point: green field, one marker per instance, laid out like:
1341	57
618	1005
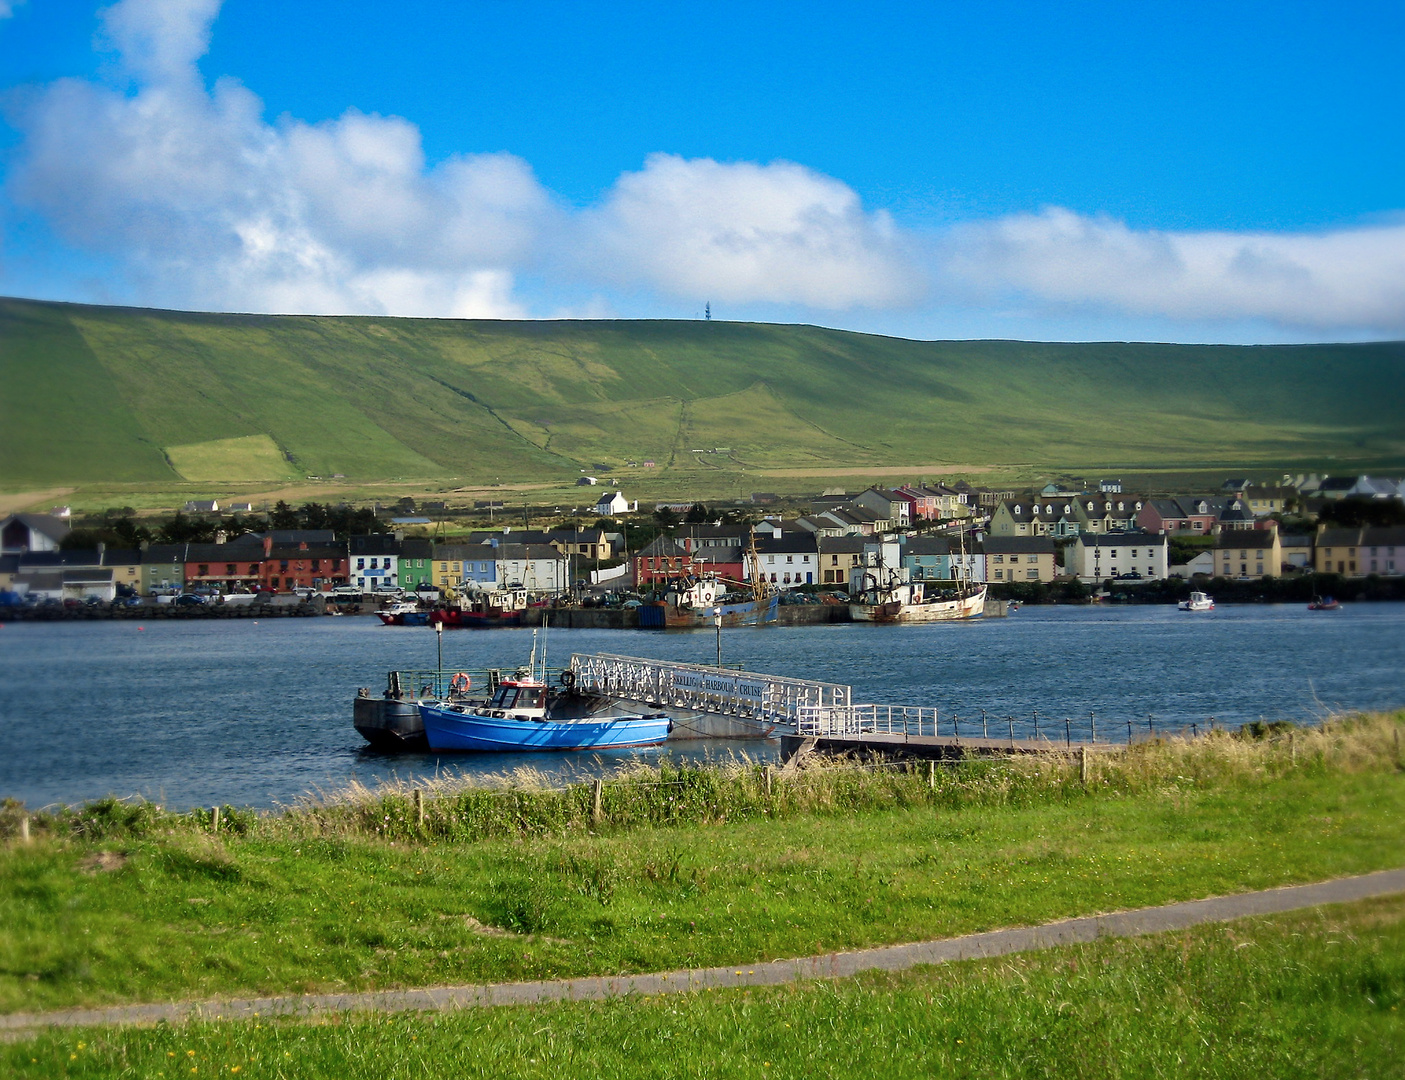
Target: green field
93	395
698	868
1312	994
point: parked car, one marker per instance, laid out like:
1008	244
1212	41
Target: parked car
347	592
190	600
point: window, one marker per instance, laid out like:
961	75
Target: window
360	564
1014	558
202	570
1000	575
283	564
316	564
1032	575
998	559
790	558
834	560
230	570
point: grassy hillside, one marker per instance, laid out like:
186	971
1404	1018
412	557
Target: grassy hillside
104	395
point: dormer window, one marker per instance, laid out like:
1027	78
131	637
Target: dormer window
1017	509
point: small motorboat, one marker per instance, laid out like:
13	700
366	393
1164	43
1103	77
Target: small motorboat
1325	603
1198	602
403	613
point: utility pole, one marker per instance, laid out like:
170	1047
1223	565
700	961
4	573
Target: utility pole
717	621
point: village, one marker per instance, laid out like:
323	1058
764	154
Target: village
937	533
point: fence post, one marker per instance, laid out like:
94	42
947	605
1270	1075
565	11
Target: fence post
766	772
1036	725
1292	750
1010	721
1397	745
597	800
1093	725
214	819
1083	764
1129	732
1068	732
24	829
931	782
419	807
985	730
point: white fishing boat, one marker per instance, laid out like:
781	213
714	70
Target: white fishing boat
886	594
1198	602
908	603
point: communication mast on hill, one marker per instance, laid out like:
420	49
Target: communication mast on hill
707	311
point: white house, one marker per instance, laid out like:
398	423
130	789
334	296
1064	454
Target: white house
539	568
789	558
615	503
1098	556
21	533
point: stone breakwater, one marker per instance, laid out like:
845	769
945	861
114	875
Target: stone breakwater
148	612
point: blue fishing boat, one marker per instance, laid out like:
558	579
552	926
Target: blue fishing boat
524	713
516	718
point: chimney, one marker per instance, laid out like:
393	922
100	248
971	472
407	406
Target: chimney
221	536
268	546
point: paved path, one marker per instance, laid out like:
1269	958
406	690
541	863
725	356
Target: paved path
831	966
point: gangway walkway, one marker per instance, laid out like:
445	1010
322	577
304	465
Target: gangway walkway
703	688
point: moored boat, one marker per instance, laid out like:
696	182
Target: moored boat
481	609
516	719
403	613
1198	602
701	602
1325	603
908	603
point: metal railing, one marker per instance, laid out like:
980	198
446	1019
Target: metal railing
703	688
846	719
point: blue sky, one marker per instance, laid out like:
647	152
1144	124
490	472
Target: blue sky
1186	172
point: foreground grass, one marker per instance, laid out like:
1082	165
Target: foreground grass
360	896
1311	994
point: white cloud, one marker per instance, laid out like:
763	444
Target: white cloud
748	233
212	206
7	7
160	40
201	202
1344	279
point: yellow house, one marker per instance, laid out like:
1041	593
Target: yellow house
1248	553
1019	558
1268	500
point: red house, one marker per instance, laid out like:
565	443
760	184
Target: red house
301	566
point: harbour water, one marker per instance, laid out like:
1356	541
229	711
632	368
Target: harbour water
258	713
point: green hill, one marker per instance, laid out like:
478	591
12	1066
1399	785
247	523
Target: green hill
120	395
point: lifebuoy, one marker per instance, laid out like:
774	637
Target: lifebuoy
568	678
460	682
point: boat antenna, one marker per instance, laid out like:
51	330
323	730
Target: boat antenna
532	660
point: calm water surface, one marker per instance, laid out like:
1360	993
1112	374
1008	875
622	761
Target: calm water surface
259	713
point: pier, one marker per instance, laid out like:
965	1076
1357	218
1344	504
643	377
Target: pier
701	688
810	715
